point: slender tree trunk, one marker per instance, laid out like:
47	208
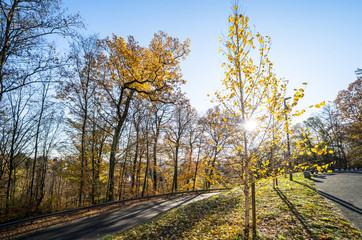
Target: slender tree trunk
93	166
253	210
112	160
82	158
134	166
174	185
121	174
138	176
197	161
211	171
98	167
190	162
147	164
115	141
11	168
42	181
155	160
44	95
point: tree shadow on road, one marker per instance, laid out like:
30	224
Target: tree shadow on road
335	199
184	219
108	222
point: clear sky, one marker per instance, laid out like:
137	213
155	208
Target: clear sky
313	41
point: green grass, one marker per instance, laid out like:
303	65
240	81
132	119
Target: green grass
292	211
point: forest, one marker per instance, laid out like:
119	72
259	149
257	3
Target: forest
108	120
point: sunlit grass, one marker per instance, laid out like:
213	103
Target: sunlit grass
293	211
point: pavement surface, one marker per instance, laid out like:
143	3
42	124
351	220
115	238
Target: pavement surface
97	227
344	189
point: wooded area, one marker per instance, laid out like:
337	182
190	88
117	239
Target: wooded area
109	120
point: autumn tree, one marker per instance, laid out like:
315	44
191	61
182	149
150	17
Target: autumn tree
181	118
253	98
78	92
349	104
24	27
160	113
16	136
129	71
245	88
216	135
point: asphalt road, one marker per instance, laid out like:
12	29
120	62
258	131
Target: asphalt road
345	190
99	226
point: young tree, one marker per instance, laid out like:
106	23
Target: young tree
251	93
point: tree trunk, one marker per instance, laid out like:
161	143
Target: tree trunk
197	162
174	182
253	210
112	160
147	164
155	160
134	166
115	141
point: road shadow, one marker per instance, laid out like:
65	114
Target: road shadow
108	222
319	176
341	202
315	180
354	172
334	199
191	217
295	212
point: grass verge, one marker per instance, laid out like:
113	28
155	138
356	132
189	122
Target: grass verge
294	210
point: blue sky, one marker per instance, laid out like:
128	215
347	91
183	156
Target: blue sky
318	42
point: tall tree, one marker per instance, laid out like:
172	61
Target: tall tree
215	129
78	91
130	71
24	26
349	104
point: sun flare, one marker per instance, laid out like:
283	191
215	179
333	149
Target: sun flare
250	125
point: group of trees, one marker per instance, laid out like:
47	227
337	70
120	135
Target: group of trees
109	120
338	126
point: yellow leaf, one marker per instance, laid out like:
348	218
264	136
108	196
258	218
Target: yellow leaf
318	106
236	7
323	103
330	152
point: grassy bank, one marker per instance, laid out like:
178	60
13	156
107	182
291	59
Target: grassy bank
294	210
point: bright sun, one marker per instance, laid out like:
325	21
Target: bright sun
250	125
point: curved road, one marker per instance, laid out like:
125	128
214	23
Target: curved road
99	226
343	188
